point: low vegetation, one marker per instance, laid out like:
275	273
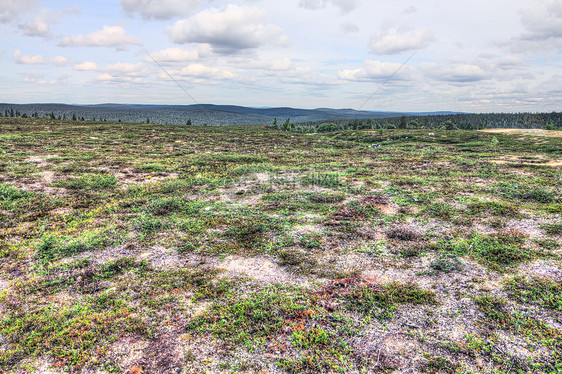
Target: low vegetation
139	248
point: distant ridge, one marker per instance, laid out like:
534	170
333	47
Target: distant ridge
210	114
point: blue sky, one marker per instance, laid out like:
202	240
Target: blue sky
473	56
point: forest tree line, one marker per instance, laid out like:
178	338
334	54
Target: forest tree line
465	121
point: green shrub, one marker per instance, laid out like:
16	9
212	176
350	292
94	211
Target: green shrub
53	247
10	194
327	127
535	290
381	301
552	228
494	208
446	264
497	252
330	180
89	182
69	334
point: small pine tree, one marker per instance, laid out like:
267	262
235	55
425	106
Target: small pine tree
147	120
450	125
288	126
188	123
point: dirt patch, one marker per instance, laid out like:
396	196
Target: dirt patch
44	184
130	176
259	268
159	257
44	366
128	352
538	160
542	268
40	160
3	285
164	356
531	132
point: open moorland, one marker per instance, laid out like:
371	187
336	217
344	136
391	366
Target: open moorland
137	248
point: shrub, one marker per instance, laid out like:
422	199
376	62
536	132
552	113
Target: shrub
552	228
327	127
53	247
90	182
535	290
497	252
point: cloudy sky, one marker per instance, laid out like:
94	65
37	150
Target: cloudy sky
462	55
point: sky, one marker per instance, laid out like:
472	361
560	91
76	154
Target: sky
388	55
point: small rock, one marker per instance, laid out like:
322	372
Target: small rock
145	255
135	370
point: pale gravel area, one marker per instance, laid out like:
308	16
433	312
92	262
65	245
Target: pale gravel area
261	268
532	132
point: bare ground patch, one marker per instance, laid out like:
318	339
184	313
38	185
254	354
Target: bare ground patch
260	268
532	132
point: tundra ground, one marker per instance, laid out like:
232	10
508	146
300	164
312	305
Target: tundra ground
175	249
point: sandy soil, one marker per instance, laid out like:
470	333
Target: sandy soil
532	132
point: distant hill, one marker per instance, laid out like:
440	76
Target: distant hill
199	114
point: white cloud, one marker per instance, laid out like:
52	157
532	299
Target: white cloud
86	66
128	69
36	27
172	55
344	5
117	70
40	24
375	70
511	62
40	81
544	22
12	9
466	73
282	64
394	40
203	71
460	72
38	59
109	36
160	9
410	10
349	27
119	79
123	74
228	30
543	29
59	60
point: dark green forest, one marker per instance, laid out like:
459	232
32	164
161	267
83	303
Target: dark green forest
457	121
465	121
